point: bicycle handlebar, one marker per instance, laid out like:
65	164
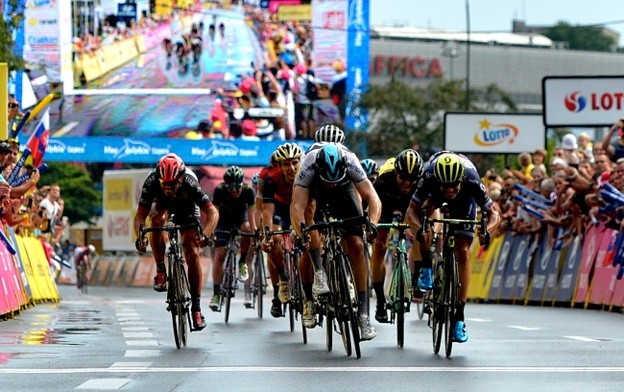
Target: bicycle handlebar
168	227
338	223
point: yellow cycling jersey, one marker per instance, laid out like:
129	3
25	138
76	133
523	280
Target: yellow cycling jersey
387	166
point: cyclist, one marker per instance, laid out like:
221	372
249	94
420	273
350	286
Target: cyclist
235	201
334	178
451	178
82	255
172	189
276	199
370	168
395	189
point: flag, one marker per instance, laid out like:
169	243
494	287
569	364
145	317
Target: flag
38	141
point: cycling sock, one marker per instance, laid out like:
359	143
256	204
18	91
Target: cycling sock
362	303
415	280
307	291
379	292
275	291
243	257
317	262
459	312
217	289
283	276
195	307
160	266
426	260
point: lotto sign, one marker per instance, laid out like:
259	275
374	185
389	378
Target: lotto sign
590	101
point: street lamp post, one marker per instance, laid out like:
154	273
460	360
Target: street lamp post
449	49
467	55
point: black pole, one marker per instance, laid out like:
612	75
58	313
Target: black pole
467	55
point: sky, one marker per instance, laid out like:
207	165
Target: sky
496	15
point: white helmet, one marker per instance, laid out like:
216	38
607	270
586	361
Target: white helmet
329	134
91	248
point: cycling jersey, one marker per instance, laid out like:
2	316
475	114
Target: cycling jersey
184	204
264	173
307	167
390	196
233	210
278	191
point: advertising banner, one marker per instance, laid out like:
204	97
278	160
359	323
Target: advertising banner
493	133
545	263
481	272
569	272
498	277
588	255
149	150
516	265
582	101
42	36
358	37
329	25
604	276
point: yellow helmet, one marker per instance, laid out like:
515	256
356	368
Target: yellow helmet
288	151
448	169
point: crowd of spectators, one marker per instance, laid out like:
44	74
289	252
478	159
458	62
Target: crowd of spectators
573	187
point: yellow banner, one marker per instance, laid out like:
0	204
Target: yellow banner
301	12
118	194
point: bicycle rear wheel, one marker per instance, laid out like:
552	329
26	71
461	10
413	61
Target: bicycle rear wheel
436	318
450	302
351	302
228	284
297	296
329	327
184	316
399	301
172	299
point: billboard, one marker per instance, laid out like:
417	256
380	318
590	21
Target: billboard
493	132
582	101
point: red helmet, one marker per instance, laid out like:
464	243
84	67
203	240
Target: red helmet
170	168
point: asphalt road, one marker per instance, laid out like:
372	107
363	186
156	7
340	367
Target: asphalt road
121	338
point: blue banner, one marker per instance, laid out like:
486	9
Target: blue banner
149	150
358	48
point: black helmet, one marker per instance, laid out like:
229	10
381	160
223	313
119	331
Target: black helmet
409	164
234	175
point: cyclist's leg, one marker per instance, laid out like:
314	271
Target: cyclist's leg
276	304
314	251
244	262
191	255
415	263
277	258
378	273
158	216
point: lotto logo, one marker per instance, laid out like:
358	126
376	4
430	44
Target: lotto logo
575	102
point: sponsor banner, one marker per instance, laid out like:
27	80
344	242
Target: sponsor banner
617	299
483	268
329	25
500	266
517	264
588	254
493	133
358	48
519	291
20	265
556	259
149	150
10	287
569	271
302	12
582	101
42	36
604	276
545	263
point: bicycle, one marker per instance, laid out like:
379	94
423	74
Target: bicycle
340	306
399	297
259	286
178	294
82	280
442	300
229	283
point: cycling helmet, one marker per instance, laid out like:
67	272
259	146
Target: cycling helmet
255	179
369	166
329	134
448	169
331	163
273	159
234	175
409	164
170	168
288	151
91	248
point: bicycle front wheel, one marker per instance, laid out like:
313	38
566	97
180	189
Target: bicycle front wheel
259	276
182	304
436	301
349	307
172	299
228	284
399	300
450	300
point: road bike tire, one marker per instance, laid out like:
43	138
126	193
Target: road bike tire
399	304
420	309
259	281
329	329
291	308
172	299
184	318
228	284
297	296
352	308
450	300
437	310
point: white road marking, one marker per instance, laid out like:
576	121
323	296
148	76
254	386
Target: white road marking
124	319
479	320
309	369
141	343
134	329
122	323
583	338
127	314
523	328
130	365
104	383
138	335
142	353
131	301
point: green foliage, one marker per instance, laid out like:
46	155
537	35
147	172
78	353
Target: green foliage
581	37
7	27
401	116
81	200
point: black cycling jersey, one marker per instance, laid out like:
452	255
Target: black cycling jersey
391	197
233	211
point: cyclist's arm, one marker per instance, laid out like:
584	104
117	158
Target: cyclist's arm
298	205
212	217
493	218
268	210
369	195
139	218
412	216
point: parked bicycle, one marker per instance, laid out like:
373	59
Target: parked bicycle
399	296
340	306
178	295
441	302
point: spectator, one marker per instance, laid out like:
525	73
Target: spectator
304	110
14	114
569	147
614	149
249	131
539	157
52	209
338	89
586	146
602	169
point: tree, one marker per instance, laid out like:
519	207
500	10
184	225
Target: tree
8	25
77	190
581	37
401	116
